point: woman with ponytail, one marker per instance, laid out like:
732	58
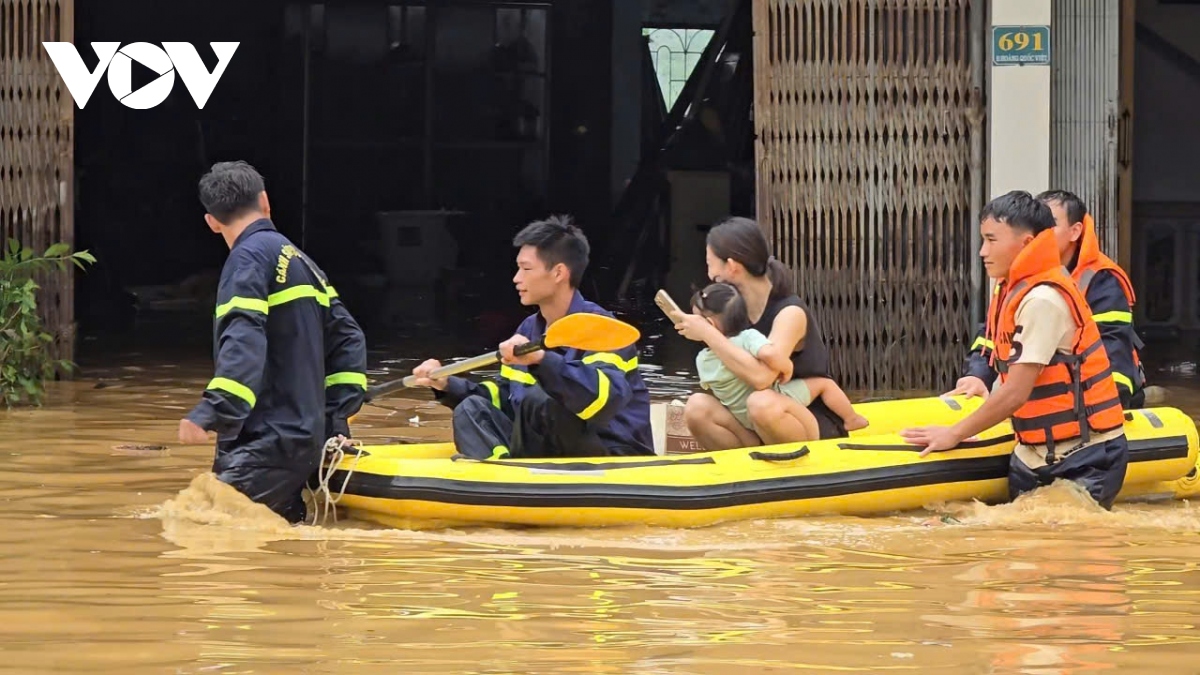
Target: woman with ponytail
738	254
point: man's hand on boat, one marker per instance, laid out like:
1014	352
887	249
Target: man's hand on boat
969	386
934	438
191	433
422	372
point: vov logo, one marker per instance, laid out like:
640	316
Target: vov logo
172	57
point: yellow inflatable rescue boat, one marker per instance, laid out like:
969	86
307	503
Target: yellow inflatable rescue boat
872	472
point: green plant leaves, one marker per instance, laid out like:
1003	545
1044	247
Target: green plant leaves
25	346
57	250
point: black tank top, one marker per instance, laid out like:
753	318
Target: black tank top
810	359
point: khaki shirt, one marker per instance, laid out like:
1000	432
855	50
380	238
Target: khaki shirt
1048	327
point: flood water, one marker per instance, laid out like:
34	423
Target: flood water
125	557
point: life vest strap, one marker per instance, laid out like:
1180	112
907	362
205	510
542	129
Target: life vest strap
1076	359
1059	359
1060	388
1047	422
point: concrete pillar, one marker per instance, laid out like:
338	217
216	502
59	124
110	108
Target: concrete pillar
1019	107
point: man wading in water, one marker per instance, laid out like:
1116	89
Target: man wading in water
291	362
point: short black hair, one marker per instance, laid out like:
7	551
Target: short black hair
557	240
1070	202
230	189
723	302
1018	209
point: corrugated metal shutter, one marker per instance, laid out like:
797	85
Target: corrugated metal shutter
865	112
1085	107
37	148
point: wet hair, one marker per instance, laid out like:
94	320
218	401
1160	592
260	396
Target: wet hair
230	190
1070	202
723	302
557	240
1019	210
741	239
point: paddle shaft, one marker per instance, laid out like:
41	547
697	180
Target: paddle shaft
582	330
463	366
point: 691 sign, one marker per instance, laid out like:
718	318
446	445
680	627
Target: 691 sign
1020	45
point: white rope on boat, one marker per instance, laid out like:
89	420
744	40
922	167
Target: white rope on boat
333	454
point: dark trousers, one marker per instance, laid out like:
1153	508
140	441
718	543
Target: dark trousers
1100	469
281	490
543	428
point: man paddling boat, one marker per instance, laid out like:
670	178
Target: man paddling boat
556	402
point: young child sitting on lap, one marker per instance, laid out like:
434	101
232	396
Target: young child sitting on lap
725	309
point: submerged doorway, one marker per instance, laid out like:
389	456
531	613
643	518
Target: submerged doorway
1165	64
426	127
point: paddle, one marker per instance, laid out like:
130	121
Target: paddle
588	332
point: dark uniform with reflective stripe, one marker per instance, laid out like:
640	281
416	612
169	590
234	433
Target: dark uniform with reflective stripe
290	370
573	403
979	359
1113	315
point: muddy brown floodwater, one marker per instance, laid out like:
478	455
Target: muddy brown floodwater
121	555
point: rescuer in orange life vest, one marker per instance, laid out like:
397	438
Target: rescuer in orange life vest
1055	378
1109	294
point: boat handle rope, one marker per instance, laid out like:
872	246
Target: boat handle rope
334	452
779	456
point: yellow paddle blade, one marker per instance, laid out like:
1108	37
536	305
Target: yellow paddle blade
591	332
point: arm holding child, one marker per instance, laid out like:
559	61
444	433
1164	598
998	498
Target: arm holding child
777	360
742	363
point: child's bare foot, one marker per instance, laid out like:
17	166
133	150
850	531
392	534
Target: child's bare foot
856	422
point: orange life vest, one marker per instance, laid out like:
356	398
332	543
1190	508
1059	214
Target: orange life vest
1091	261
1075	394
